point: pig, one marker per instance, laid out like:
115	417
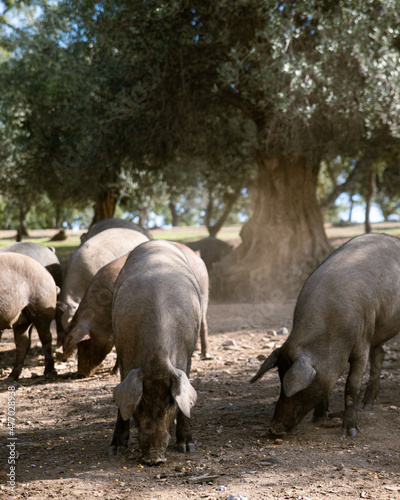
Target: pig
45	255
211	250
112	223
86	261
348	307
28	296
156	315
91	326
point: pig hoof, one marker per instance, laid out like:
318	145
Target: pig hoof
13	377
206	357
191	448
182	448
121	451
350	432
367	407
112	450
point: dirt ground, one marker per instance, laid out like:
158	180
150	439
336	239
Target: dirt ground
64	428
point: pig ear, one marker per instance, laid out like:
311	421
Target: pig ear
73	338
183	392
129	392
269	363
299	376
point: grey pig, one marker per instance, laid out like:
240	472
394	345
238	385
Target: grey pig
91	326
346	310
157	314
28	296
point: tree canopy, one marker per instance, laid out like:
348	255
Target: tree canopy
137	101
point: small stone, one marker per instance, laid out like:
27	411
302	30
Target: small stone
220	488
229	343
270	331
340	467
278	441
395	408
282	331
253	360
236	497
261	357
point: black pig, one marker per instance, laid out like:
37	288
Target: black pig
346	310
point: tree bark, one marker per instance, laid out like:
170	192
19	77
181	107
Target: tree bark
104	207
174	214
283	242
23	227
369	199
351	207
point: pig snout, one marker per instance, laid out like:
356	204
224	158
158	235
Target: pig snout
277	429
154	457
154	447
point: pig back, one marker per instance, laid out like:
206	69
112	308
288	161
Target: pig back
113	223
93	255
157	307
356	286
42	254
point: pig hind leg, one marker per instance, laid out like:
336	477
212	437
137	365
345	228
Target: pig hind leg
358	361
120	438
22	344
376	356
184	434
205	344
42	325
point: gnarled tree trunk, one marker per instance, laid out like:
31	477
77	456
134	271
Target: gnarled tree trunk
283	242
105	206
369	198
175	215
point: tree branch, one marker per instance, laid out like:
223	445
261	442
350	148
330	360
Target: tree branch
360	165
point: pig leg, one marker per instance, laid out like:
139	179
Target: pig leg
184	434
321	410
352	391
120	438
43	329
205	345
22	343
376	356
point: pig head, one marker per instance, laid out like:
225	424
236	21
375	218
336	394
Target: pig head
152	397
302	388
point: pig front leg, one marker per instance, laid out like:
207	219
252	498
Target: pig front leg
120	438
321	410
184	434
352	391
22	343
376	357
43	329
